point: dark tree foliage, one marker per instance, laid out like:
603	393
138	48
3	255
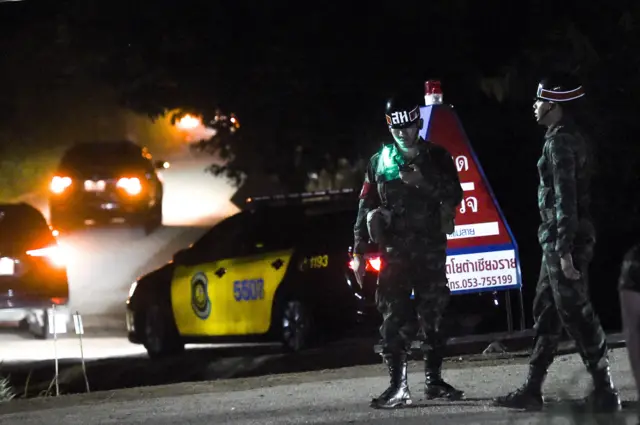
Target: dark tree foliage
319	80
221	144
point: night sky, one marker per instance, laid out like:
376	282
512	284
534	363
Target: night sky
319	72
307	71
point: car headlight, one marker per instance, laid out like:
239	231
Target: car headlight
132	289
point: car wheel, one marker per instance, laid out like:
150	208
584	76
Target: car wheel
38	330
153	219
297	326
160	335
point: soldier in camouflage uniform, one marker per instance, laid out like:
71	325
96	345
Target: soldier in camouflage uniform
629	285
407	206
567	238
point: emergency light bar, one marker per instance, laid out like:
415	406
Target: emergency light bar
303	198
432	93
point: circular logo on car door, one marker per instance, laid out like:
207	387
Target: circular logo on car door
200	301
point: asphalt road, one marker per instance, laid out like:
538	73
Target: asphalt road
335	396
103	262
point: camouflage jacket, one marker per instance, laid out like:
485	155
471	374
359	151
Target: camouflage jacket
415	211
563	191
629	279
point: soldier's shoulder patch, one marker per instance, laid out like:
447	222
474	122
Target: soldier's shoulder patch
366	188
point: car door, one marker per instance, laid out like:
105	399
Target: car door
257	274
202	295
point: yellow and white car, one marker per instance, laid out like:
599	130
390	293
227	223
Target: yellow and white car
279	271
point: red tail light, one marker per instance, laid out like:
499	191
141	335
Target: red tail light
52	253
59	184
131	185
374	264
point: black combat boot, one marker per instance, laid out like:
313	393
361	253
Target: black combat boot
434	385
529	395
397	395
604	397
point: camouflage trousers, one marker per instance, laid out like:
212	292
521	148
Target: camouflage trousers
562	303
402	317
629	285
630	308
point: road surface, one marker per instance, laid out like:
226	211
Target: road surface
334	397
102	263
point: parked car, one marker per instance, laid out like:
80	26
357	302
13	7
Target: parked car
275	273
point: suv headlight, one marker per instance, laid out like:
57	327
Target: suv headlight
132	289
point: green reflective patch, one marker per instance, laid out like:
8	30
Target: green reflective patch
389	163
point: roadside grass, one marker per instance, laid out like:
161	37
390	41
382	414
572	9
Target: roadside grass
10	391
6	390
26	170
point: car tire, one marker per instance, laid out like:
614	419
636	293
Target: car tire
154	219
297	326
40	331
160	336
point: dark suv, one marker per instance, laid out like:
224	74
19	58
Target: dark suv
106	182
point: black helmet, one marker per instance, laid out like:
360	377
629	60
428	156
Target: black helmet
559	88
402	111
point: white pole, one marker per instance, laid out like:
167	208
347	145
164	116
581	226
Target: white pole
77	322
55	344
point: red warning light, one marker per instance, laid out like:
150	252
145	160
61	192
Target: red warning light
432	92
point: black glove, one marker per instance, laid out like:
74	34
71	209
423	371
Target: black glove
447	218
